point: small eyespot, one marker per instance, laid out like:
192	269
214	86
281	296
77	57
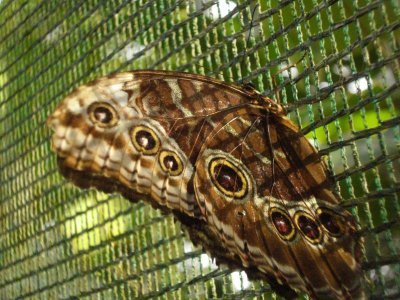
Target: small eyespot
145	140
308	227
331	222
228	178
241	213
170	163
103	114
282	223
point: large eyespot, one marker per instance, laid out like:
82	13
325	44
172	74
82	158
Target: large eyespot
228	178
282	223
145	140
170	163
308	227
103	114
331	222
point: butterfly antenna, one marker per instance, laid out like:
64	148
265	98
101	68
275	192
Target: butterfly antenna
288	67
240	81
251	22
251	25
272	153
273	170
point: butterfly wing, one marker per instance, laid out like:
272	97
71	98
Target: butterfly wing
265	193
238	175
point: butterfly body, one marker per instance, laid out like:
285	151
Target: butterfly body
226	161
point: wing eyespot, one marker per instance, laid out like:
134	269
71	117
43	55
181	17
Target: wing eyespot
331	222
282	223
103	114
170	163
145	140
308	227
228	178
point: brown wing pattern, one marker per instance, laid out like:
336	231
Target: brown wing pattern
231	167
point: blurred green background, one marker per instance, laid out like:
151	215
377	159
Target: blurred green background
335	64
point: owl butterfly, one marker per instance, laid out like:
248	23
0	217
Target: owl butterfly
227	162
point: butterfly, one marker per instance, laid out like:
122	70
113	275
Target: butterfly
226	162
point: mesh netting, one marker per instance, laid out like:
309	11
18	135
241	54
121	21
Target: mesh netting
334	63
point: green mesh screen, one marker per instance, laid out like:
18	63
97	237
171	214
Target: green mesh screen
334	63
